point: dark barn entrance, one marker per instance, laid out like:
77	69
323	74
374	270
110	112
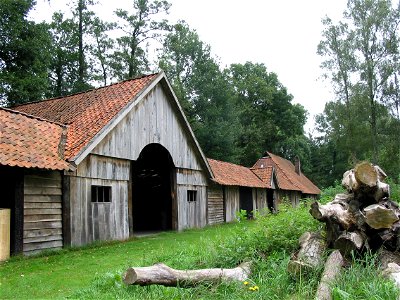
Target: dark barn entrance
12	197
270	200
246	200
153	191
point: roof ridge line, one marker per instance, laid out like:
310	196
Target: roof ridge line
89	90
34	117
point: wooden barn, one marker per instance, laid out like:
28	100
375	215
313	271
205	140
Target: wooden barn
120	159
236	188
292	185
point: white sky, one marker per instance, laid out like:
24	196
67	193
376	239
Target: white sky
282	34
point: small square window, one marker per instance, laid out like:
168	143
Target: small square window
101	193
191	195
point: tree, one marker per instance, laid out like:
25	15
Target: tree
202	89
268	119
64	62
101	48
24	54
361	59
131	59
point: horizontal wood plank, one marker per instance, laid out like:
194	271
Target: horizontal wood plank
42	211
32	233
42	198
41	239
43	245
41	205
29	218
30	190
32	225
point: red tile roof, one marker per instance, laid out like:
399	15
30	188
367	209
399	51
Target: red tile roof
31	142
287	177
265	175
85	114
230	174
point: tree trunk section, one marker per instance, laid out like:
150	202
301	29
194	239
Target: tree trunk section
161	274
309	257
333	266
335	210
379	217
350	242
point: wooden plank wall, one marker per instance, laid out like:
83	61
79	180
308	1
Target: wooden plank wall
216	212
42	211
232	203
99	221
153	120
260	199
191	214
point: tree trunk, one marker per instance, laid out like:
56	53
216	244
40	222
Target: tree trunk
163	275
333	266
309	257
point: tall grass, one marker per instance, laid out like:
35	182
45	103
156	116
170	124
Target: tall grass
267	242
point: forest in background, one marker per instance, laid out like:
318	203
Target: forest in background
237	112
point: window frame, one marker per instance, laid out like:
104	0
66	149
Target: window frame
101	194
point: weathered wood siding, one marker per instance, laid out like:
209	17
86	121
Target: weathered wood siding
42	211
232	202
155	120
291	197
91	221
191	214
260	199
215	207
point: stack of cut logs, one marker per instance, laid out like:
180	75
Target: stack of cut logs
363	219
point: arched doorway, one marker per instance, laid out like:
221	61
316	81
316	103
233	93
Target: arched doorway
153	190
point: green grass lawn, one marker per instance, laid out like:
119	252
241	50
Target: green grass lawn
95	272
61	274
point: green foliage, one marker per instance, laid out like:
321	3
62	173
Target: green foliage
361	57
24	54
130	59
241	215
95	272
268	120
371	285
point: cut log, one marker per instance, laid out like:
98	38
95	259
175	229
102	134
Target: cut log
365	182
379	217
333	266
366	175
161	274
350	242
310	255
336	211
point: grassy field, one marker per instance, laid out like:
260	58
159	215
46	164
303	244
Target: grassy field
95	272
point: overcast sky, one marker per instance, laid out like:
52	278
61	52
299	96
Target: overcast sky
282	34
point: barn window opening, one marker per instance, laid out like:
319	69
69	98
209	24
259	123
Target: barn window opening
101	193
191	195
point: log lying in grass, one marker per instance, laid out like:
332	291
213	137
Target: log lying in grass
310	255
161	274
333	266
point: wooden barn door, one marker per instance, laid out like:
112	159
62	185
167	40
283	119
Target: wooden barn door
154	190
246	200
